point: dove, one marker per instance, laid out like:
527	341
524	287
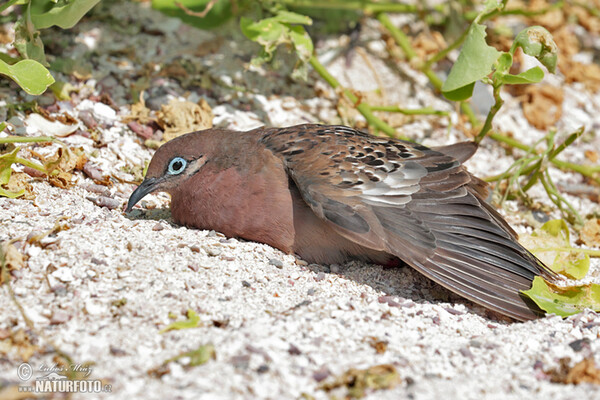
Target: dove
332	194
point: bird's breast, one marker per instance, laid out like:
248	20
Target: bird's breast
247	203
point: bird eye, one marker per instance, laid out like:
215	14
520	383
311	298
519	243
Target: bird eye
176	166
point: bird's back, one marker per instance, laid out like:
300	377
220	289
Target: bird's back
418	204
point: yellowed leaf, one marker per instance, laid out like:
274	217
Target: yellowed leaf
590	233
180	117
20	181
542	105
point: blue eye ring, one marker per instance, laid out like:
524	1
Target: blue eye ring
176	165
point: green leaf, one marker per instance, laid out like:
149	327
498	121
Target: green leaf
267	32
12	3
551	244
62	90
564	301
301	41
276	30
65	16
537	42
28	41
11	195
491	5
32	76
287	17
6	162
504	63
192	321
532	75
218	15
197	357
475	61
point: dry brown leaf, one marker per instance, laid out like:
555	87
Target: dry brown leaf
63	180
10	258
588	74
358	381
174	70
140	113
66	119
592	155
590	233
66	159
590	22
180	117
542	105
209	47
379	345
20	181
575	71
550	20
428	43
567	42
19	342
584	371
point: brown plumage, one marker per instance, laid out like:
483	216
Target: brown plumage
332	194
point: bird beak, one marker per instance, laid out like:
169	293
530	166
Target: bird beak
147	186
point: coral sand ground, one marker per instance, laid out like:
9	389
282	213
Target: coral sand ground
104	285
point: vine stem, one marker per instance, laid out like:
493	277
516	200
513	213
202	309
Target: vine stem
363	108
410	111
367	7
592	172
487	125
35	139
403	42
589	252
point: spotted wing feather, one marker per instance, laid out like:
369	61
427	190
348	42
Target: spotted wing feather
414	202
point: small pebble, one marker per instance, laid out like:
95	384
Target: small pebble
143	131
158	227
293	350
321	374
262	369
389	300
580	344
63	274
277	263
103	201
33	172
212	251
88	119
94	188
59	317
92	171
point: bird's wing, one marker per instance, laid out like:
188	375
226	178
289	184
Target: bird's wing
416	203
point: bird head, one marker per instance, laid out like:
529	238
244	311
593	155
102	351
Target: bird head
173	164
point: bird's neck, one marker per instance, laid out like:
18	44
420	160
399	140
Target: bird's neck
252	202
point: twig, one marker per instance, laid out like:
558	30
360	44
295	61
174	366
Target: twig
199	14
